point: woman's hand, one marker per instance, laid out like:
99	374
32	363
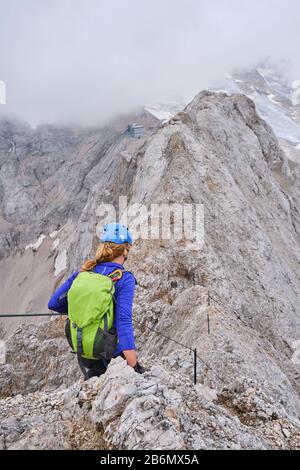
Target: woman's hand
139	369
130	356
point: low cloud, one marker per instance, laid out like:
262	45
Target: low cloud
83	62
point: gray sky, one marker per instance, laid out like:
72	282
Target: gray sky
84	61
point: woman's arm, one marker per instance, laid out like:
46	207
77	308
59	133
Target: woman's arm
123	318
59	300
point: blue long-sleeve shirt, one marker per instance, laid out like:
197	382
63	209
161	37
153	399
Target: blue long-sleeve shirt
124	294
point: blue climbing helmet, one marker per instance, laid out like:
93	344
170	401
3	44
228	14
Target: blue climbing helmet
116	233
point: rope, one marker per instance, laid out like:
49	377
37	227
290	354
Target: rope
231	310
165	336
14	315
189	348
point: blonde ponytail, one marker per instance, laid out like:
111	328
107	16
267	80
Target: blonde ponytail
106	252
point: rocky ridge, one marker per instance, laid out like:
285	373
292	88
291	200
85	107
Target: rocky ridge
236	299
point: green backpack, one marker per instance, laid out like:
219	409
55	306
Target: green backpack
89	328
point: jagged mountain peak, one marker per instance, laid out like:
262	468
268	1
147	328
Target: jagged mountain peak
275	94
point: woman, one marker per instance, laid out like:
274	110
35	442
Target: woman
116	242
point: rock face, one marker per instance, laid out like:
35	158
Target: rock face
228	159
48	176
277	98
235	299
124	410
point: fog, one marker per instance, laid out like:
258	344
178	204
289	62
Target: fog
85	61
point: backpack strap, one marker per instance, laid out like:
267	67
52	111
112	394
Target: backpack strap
80	352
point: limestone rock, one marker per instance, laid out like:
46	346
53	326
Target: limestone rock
235	299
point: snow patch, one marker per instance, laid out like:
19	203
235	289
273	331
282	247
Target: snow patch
272	96
35	246
272	99
283	126
296	92
53	234
160	114
60	262
165	111
266	72
55	244
222	91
